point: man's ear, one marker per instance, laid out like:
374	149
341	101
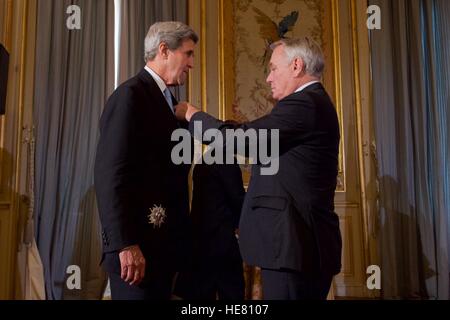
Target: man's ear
163	50
298	66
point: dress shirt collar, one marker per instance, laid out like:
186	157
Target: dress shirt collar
306	85
160	82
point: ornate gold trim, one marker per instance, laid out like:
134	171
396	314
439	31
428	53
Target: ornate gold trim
362	85
203	54
23	50
221	64
226	54
8	25
7	30
195	85
348	269
359	118
342	186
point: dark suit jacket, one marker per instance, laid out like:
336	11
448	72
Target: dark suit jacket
218	195
217	201
134	172
288	219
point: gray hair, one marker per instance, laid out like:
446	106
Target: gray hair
306	49
172	33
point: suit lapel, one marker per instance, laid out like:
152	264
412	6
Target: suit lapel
157	96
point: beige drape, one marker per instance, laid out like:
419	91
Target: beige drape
410	63
74	76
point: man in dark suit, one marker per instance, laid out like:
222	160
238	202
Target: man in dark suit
217	270
288	225
142	196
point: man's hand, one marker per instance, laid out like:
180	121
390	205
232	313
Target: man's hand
132	265
185	111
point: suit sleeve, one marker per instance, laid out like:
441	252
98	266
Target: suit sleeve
291	118
115	172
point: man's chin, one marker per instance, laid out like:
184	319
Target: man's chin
178	82
183	79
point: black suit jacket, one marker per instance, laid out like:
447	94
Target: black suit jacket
134	172
217	200
288	219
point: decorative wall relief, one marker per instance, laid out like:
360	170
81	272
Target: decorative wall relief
259	23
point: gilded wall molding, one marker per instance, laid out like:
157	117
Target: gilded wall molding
365	134
6	16
19	38
341	185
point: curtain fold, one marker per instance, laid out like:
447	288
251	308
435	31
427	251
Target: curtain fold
74	75
411	99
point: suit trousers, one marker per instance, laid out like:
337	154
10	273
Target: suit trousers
292	285
224	282
157	287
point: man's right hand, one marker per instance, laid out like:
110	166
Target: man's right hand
132	265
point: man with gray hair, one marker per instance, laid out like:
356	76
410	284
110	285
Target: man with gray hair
288	226
142	196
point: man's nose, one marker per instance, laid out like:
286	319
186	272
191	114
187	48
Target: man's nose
191	63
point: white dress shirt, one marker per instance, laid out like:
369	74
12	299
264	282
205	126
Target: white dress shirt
160	82
306	85
162	86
